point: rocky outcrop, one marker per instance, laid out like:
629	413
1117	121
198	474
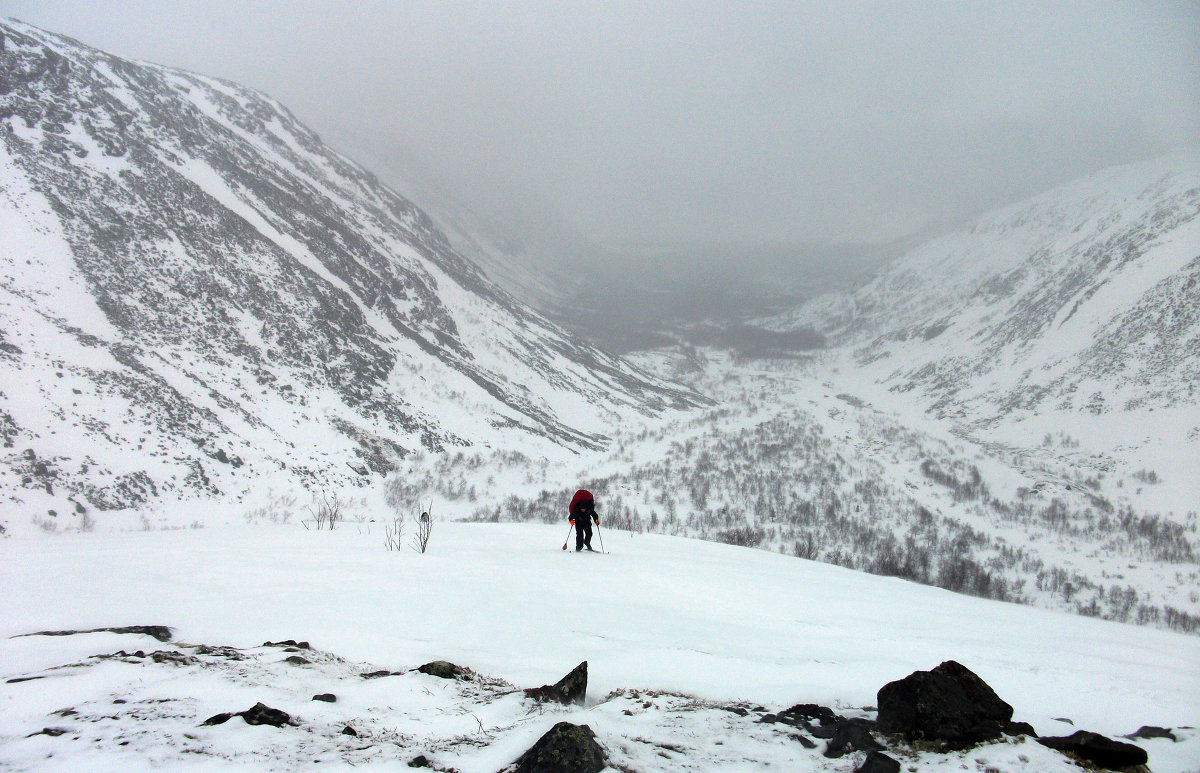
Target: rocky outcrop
160	632
444	669
258	714
572	688
565	748
878	762
1098	750
949	704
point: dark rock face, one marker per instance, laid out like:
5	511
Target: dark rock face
949	704
1098	750
572	688
565	748
326	697
877	762
443	669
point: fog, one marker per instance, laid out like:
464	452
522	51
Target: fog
723	122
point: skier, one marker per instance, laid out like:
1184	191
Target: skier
582	516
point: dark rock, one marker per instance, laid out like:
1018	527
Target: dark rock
229	653
1149	731
172	657
218	719
347	730
1020	728
949	704
19	679
443	669
160	632
1097	749
572	688
420	761
53	732
1064	720
288	643
380	674
851	735
296	660
565	748
260	714
877	762
327	697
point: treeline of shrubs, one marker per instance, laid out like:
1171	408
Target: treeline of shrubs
782	485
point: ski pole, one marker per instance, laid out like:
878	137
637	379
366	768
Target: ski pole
568	539
601	536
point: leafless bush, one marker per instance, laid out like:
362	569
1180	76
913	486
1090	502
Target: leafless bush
393	533
424	529
326	512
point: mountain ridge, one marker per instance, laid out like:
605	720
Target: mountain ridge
249	294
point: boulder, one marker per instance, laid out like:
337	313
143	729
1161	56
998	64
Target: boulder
572	688
261	714
950	704
258	714
565	748
443	669
326	697
1020	728
877	762
1097	749
1149	731
851	735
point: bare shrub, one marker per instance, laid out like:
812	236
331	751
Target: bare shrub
424	529
393	533
327	511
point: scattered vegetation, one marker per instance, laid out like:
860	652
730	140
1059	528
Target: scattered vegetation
327	511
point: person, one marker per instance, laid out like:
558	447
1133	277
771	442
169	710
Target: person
582	516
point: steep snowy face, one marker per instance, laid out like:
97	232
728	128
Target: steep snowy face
194	290
1082	300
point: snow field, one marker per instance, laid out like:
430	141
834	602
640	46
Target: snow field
711	621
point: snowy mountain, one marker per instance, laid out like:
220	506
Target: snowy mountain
1008	411
196	293
694	651
1076	311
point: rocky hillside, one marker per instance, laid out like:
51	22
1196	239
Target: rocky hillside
195	292
1082	300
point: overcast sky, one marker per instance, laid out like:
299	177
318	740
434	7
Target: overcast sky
722	121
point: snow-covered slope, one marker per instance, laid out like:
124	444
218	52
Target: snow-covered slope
195	292
1077	310
704	639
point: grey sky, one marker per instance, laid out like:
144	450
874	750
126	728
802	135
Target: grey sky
728	121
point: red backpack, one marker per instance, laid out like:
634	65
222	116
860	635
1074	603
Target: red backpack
581	496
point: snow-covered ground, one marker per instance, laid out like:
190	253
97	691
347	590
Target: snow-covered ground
695	628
